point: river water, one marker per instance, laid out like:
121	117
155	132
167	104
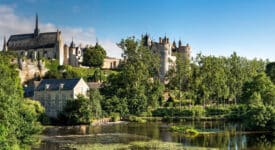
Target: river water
215	134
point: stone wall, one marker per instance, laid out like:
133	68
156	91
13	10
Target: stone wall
81	88
111	63
29	70
53	101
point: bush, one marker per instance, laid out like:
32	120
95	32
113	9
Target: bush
194	111
260	117
217	110
184	129
115	117
237	112
146	114
135	119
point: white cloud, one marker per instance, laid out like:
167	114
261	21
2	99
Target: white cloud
11	23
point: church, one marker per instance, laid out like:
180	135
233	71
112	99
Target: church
36	45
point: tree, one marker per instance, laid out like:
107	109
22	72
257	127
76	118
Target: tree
94	56
18	117
137	78
270	71
77	111
95	99
114	104
260	117
260	87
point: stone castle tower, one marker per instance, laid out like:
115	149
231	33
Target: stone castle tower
167	52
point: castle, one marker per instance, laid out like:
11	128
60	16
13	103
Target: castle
167	52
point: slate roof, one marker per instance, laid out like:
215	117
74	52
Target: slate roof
54	84
29	41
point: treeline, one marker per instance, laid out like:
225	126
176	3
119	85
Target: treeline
222	80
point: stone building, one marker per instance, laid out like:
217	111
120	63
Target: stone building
54	93
73	55
111	63
37	45
167	51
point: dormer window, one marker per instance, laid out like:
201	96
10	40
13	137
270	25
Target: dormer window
47	86
61	86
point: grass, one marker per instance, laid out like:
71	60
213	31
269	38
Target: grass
138	145
85	73
185	130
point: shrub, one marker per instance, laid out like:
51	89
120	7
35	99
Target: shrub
260	117
115	117
217	110
195	111
237	112
184	129
136	119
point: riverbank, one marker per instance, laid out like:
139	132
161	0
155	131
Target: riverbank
114	135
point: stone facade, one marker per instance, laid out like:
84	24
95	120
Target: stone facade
37	45
54	93
167	51
111	63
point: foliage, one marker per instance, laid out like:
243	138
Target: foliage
115	116
133	118
237	112
196	111
114	104
77	111
30	127
184	129
180	76
217	110
18	117
220	80
270	71
137	81
259	90
260	117
82	110
94	56
95	99
68	72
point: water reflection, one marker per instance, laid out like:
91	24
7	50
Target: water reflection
221	135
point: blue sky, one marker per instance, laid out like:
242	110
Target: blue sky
216	27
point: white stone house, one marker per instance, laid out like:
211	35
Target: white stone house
111	63
54	93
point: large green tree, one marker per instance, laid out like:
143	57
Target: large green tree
259	90
270	71
95	99
136	80
18	117
94	56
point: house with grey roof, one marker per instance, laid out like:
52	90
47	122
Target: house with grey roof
54	93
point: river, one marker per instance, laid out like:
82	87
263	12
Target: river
214	135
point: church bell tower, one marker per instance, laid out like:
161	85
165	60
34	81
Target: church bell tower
36	30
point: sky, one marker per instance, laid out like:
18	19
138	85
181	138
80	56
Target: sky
211	27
